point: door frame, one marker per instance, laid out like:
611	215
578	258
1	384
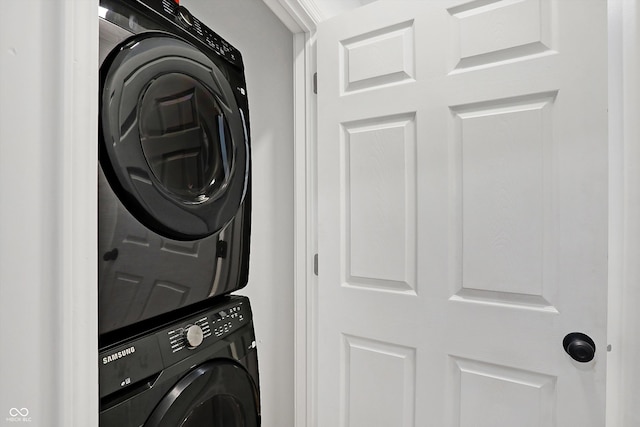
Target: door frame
624	209
302	17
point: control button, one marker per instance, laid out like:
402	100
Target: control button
194	336
184	16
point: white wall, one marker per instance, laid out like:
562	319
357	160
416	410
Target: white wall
267	48
48	171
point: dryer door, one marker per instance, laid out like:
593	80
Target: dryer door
174	143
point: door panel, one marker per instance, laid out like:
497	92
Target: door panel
361	68
380	203
462	220
390	405
522	398
504	206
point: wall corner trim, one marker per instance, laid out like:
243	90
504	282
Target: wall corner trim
299	16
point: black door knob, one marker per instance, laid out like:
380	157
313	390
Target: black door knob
579	346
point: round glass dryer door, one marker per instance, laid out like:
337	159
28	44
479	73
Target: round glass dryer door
173	143
215	394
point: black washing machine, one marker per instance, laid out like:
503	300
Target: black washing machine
174	176
199	371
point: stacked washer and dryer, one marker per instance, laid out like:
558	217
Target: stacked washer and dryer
176	349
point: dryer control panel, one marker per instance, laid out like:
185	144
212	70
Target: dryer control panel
171	10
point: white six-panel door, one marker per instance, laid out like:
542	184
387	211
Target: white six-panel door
462	192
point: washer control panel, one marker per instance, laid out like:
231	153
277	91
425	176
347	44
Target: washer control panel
203	330
135	361
189	336
226	320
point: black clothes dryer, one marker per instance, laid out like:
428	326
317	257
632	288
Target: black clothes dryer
174	176
201	371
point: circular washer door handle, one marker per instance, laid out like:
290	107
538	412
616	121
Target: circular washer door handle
579	346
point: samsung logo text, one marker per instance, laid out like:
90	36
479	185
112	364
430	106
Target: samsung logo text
118	355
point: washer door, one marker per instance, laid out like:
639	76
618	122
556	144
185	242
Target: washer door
174	145
217	393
